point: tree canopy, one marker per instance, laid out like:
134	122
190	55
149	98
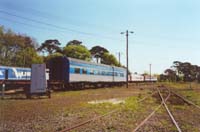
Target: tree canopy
98	51
22	50
74	42
102	53
77	51
16	47
109	59
182	71
51	46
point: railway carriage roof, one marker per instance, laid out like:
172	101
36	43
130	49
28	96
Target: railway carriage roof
93	65
21	68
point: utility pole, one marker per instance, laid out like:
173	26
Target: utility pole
119	57
127	34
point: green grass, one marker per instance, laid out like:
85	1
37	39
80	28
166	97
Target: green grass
102	108
68	93
131	103
175	85
192	95
189	127
179	107
180	85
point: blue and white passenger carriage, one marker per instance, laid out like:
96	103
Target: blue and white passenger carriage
72	70
14	73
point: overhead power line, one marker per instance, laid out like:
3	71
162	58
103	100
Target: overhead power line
55	26
30	25
46	15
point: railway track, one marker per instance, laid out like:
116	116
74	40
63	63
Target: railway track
151	114
164	102
118	117
99	117
164	94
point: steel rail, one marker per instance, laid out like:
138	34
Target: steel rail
150	115
98	117
88	121
168	111
186	100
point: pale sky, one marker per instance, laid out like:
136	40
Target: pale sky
165	31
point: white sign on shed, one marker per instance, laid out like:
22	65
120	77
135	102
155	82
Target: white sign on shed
38	78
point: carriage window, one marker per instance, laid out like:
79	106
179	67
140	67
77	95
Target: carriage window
115	74
11	73
71	70
107	73
99	73
95	72
103	73
91	72
84	71
110	73
121	74
77	70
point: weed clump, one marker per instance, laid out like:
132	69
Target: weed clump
131	103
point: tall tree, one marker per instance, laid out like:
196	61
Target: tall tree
11	44
171	74
26	57
51	46
109	59
74	42
98	51
77	51
106	58
185	71
162	77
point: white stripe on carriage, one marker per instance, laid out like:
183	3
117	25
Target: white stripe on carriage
1	73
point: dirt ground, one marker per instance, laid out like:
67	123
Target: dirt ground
66	109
